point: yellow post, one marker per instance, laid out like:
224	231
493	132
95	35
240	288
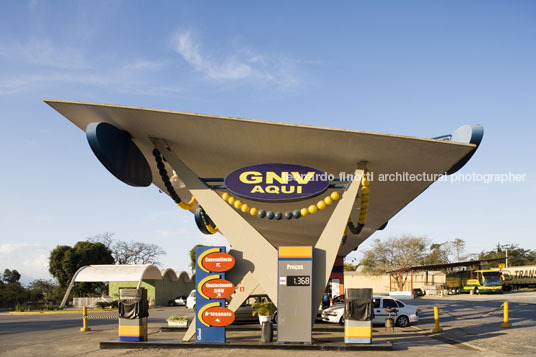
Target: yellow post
84	320
505	323
436	321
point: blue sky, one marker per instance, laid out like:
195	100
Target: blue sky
419	68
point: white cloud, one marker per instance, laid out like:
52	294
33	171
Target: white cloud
43	52
244	64
9	248
40	263
44	64
144	65
30	260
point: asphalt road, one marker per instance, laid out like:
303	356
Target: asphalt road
471	326
475	321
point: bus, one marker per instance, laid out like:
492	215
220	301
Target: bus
485	281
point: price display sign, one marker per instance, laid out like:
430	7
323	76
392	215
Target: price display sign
298	280
294	294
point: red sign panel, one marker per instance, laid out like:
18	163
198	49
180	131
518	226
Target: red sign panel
218	262
218	288
218	316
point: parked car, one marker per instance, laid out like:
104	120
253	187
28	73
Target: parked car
190	300
178	301
405	315
337	300
244	313
418	292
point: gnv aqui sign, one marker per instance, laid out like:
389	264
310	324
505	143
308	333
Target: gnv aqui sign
277	182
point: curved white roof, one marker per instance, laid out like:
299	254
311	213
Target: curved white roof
171	272
185	276
100	273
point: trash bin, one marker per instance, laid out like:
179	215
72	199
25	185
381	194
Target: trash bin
358	315
133	314
267	332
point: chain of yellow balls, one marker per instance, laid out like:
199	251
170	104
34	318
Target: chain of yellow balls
365	182
312	209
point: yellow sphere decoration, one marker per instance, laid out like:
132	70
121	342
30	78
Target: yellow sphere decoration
321	205
328	201
244	208
238	204
364	205
335	196
225	196
312	209
253	211
304	212
365	181
364	198
231	200
365	190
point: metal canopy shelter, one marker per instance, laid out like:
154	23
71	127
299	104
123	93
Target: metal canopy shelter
449	266
197	147
213	146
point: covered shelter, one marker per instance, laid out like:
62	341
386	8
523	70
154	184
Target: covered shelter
161	285
447	267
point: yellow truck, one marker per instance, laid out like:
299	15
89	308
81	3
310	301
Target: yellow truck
476	281
519	277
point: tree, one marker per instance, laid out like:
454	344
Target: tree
131	252
438	254
349	267
348	264
10	276
394	254
65	261
459	247
516	256
11	290
192	256
41	289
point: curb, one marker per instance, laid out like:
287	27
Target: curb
59	312
383	346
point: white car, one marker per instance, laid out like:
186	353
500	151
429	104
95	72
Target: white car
178	301
406	313
190	300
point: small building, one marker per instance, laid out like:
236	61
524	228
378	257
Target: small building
384	284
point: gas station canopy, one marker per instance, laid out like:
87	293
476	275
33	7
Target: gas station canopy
214	146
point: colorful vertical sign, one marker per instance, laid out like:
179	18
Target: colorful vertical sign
212	289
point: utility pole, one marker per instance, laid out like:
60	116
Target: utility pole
506	247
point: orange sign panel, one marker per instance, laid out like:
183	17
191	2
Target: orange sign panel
218	262
218	288
218	316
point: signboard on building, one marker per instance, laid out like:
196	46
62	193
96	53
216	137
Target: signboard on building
211	290
277	182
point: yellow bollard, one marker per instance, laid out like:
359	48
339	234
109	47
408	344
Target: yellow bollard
436	321
505	323
84	320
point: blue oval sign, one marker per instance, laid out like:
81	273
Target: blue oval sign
277	182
